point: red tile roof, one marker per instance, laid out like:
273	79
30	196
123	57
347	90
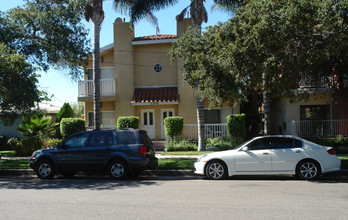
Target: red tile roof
150	95
156	37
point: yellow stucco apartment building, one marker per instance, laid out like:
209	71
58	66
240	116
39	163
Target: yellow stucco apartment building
138	79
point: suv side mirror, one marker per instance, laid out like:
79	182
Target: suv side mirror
62	146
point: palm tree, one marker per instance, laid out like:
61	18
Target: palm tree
198	15
94	11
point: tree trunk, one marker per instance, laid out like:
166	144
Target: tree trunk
200	105
266	107
200	121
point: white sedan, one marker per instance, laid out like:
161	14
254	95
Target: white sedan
270	155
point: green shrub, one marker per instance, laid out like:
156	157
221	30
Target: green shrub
181	145
128	122
50	142
2	143
65	112
173	126
227	143
69	126
331	142
236	125
28	145
37	126
12	143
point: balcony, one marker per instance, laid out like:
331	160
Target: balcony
325	82
323	128
107	88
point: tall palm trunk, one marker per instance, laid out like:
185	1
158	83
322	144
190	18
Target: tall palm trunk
97	19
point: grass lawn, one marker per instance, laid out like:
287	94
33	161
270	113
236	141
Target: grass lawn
344	162
176	163
187	152
15	164
8	153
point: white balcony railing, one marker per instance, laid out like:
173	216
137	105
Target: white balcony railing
320	128
211	131
307	82
107	88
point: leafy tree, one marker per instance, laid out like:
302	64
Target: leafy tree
266	46
48	33
198	15
78	108
41	33
65	112
37	126
18	84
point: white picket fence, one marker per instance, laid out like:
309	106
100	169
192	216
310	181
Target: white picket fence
190	131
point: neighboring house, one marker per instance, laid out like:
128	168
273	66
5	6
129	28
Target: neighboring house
11	130
323	114
137	78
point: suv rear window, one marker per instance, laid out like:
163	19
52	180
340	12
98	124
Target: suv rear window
125	137
145	138
101	139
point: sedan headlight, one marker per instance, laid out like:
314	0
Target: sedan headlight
199	159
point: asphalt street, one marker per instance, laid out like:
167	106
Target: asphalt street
173	197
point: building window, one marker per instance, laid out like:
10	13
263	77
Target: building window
217	116
108	119
315	112
158	68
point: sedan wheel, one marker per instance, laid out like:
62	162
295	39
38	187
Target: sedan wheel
308	170
216	170
118	169
45	170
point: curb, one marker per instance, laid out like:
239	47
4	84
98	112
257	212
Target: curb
29	172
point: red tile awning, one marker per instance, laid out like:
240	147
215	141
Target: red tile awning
156	37
155	95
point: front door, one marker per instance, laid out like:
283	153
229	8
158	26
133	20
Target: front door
148	122
165	113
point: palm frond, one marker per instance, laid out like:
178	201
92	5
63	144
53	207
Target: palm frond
228	5
122	6
141	8
182	14
153	20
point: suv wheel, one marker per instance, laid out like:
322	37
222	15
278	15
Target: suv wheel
45	169
118	169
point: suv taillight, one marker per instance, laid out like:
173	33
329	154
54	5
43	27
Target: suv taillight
332	151
142	150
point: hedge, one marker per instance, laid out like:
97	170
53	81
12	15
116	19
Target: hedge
173	126
69	126
128	122
236	125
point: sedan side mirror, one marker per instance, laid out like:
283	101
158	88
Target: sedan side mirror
245	148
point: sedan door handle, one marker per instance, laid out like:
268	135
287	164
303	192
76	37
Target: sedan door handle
265	153
297	151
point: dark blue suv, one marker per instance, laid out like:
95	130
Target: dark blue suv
119	153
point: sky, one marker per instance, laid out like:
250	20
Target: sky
58	83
